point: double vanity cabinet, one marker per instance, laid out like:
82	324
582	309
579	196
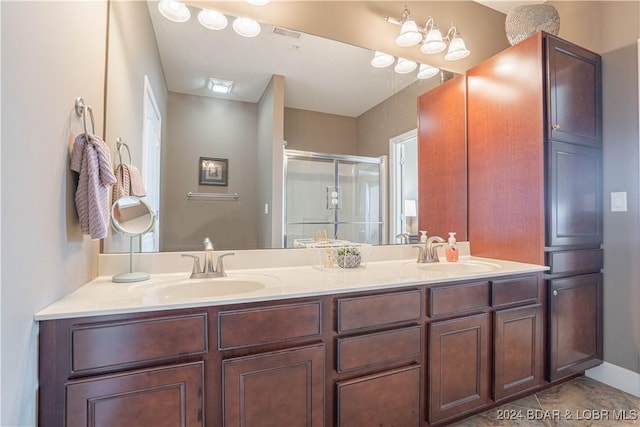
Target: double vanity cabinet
412	355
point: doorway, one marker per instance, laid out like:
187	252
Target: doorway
403	173
151	144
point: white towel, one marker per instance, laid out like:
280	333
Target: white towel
90	157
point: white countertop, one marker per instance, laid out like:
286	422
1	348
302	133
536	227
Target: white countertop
175	290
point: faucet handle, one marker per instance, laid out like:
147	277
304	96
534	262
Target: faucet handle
220	264
422	254
196	263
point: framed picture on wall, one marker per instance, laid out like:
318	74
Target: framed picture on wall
213	171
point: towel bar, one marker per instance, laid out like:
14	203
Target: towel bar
213	196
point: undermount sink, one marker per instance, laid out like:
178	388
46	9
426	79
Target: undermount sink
462	267
203	288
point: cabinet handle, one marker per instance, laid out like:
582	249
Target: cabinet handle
555	293
556	126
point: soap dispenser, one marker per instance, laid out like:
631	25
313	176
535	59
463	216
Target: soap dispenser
423	236
452	254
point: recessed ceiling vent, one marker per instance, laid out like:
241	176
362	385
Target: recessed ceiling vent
286	33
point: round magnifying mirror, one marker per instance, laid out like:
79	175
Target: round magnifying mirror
132	217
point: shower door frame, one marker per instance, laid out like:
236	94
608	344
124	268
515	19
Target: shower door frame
336	158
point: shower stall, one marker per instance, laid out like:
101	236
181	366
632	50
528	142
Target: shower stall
329	196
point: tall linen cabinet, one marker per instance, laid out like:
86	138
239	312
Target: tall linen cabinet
534	147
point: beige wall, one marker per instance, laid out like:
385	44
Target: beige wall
52	52
209	127
319	132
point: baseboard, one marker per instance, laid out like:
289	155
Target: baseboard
616	376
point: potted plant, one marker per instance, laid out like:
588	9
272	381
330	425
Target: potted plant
349	257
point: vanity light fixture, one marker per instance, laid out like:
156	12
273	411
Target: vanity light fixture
174	11
409	33
246	27
430	38
219	86
258	2
457	49
382	60
404	66
212	19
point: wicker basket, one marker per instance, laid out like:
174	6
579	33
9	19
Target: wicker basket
332	254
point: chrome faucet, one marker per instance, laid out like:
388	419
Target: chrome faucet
427	252
208	271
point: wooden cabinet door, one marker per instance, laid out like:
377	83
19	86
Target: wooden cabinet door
280	388
575	324
459	370
574	195
389	398
168	396
574	92
518	350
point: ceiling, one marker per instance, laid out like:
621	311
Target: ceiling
319	74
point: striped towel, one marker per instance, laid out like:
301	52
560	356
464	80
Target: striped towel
128	182
90	157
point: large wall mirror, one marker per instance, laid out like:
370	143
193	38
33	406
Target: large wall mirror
314	94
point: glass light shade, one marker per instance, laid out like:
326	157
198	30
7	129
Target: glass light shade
258	2
409	34
212	19
174	10
404	66
246	27
427	71
457	50
382	60
433	42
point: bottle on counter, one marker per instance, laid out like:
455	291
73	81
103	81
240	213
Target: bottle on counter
423	236
451	252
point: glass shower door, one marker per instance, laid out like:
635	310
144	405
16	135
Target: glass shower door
332	197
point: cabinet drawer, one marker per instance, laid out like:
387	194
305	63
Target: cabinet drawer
124	343
378	310
268	325
523	290
452	299
371	349
575	261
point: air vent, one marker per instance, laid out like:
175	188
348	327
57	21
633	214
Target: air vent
286	33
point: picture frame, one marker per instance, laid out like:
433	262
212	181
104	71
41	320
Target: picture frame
213	171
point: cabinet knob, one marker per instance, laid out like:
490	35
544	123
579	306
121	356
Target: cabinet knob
556	126
555	293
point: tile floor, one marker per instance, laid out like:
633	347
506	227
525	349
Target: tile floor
579	402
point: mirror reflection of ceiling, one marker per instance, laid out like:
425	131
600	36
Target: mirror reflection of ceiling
317	71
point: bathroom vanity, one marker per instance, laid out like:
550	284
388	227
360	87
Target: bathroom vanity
392	343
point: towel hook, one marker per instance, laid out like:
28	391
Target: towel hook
81	111
119	145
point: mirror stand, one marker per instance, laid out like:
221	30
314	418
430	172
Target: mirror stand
130	276
133	217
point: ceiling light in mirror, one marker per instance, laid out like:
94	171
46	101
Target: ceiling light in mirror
219	86
212	19
246	27
382	60
174	10
404	66
258	2
427	71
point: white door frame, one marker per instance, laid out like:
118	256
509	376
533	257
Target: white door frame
151	146
396	209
